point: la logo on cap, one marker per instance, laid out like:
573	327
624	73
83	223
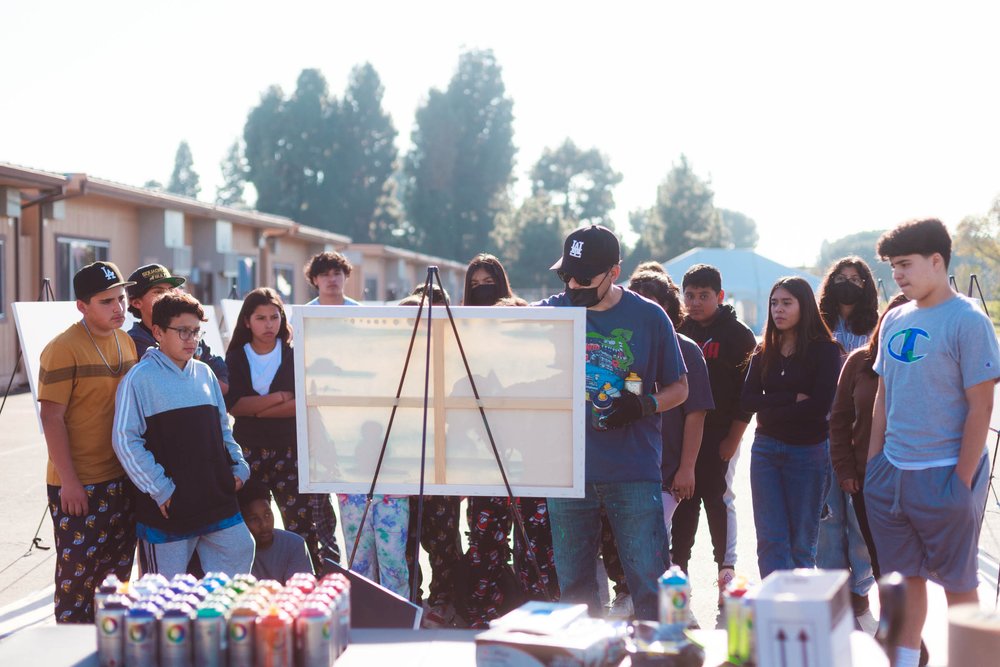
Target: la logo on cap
108	273
576	249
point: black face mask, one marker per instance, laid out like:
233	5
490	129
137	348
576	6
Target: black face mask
586	297
483	295
847	293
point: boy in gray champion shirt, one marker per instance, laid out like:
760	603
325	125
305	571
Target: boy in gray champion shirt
927	476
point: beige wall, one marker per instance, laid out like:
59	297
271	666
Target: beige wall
99	219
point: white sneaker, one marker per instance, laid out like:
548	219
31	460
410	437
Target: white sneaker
726	575
622	607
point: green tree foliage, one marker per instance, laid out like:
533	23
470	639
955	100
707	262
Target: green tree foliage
861	244
459	169
325	162
234	174
529	240
580	181
184	180
361	190
741	229
976	249
153	184
683	217
640	252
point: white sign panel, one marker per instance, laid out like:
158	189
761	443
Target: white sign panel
38	322
528	366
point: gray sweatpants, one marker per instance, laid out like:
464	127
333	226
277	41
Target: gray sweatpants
229	550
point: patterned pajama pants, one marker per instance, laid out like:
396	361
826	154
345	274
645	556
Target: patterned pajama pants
309	515
440	538
381	554
90	547
490	521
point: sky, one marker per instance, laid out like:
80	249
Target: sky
817	121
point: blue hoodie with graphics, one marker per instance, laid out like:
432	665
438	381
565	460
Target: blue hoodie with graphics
172	436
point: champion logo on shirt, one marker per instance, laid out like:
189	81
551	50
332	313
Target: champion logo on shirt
905	350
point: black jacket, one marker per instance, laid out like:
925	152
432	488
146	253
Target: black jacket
256	432
727	344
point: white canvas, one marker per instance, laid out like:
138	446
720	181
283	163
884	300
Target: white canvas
38	322
528	365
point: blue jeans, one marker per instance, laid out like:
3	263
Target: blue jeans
841	545
635	512
788	484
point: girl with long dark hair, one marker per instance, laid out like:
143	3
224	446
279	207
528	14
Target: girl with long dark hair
490	519
790	385
848	302
262	399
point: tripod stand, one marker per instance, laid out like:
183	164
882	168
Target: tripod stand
427	296
45	294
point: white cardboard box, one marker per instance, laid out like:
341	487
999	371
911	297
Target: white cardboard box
802	618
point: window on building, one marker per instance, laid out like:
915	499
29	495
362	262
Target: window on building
284	282
246	275
371	289
72	254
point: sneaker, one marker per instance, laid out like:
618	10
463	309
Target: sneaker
621	607
726	575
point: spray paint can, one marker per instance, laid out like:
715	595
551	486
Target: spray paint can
633	383
110	623
140	635
240	635
675	593
209	636
314	636
175	636
273	639
108	587
600	405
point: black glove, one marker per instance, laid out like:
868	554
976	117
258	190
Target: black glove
628	408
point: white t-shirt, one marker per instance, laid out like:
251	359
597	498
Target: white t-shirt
263	367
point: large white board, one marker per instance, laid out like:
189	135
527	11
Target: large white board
38	322
529	369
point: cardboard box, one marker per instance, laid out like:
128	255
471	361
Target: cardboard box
802	618
586	643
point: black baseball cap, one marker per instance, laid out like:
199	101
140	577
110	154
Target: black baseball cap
589	251
152	274
97	277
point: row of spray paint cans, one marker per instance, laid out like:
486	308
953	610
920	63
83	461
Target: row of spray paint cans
222	622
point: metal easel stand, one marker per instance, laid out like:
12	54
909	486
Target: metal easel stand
432	275
45	294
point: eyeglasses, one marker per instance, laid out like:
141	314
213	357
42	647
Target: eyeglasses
840	278
187	334
582	282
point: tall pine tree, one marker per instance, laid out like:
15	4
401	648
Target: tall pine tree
358	179
184	179
459	169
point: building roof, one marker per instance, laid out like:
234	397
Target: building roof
79	183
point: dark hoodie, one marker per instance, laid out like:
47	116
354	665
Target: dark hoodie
727	344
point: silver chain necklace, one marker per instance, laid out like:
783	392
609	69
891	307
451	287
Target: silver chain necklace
121	359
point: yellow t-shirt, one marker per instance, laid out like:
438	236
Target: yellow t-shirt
73	374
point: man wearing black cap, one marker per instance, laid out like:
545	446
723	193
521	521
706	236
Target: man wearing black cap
634	371
150	282
91	511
